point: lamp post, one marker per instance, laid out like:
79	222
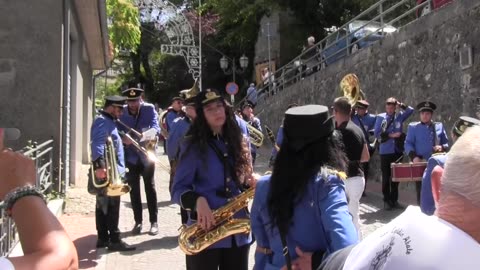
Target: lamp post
224	63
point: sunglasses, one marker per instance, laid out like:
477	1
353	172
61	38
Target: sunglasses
391	103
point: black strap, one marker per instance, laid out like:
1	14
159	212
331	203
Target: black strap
286	254
434	133
363	128
227	168
391	122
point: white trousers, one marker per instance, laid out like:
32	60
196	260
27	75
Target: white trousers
354	188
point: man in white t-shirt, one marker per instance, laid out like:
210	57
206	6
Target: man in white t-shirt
448	240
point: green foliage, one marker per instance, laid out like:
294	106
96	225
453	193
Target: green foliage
124	26
105	88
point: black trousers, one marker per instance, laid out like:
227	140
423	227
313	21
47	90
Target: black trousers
183	212
366	167
254	157
133	179
389	188
234	258
107	212
418	189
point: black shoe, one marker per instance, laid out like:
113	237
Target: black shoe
396	205
387	206
137	229
102	243
120	246
154	229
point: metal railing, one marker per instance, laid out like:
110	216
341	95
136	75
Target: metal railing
385	13
42	156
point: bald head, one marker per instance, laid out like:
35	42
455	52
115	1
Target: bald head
462	169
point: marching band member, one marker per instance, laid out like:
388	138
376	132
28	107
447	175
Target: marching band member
389	132
140	116
213	167
247	115
175	110
366	121
178	130
425	138
108	208
413	240
427	203
303	205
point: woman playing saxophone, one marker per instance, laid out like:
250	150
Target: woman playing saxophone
214	167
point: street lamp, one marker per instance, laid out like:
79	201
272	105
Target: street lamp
224	63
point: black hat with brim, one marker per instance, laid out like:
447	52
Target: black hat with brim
117	101
426	106
132	93
307	124
463	123
207	96
362	104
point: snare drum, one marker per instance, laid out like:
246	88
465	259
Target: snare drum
407	172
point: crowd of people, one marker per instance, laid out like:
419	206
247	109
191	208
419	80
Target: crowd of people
305	214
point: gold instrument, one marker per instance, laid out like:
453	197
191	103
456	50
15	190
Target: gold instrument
149	144
112	184
350	87
256	136
192	92
193	239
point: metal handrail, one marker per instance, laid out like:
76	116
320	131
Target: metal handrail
278	80
43	156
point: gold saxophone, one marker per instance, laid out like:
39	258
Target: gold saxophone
193	239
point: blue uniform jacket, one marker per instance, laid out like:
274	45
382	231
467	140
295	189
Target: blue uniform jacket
146	119
102	127
169	118
321	222
204	175
421	139
368	121
427	203
388	147
178	130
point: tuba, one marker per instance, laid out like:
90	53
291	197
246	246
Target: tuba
193	239
256	136
350	87
112	185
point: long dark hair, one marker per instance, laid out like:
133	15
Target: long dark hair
293	170
200	133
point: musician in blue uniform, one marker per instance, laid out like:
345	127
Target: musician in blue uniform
303	205
178	130
175	111
107	209
425	138
389	132
140	116
249	117
427	203
213	167
366	121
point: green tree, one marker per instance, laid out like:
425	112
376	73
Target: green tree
124	24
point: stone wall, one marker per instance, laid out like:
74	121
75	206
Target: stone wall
419	62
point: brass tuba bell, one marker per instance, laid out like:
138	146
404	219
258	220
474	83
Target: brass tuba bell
350	87
188	93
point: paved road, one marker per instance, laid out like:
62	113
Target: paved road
162	251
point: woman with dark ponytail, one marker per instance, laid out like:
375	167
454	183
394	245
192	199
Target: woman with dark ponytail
303	205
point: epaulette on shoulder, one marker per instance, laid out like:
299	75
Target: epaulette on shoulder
342	175
439	154
414	123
